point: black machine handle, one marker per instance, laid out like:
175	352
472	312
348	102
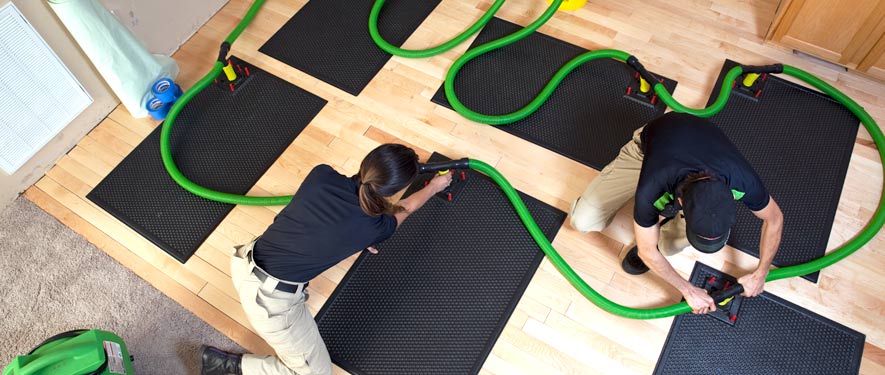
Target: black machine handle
223	51
762	69
645	74
463	163
723	295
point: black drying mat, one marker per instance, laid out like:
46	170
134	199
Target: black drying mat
770	336
588	118
329	39
222	140
800	142
440	291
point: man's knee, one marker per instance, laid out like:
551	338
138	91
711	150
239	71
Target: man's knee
587	218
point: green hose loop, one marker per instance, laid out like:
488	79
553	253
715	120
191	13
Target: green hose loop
530	108
166	132
878	218
433	51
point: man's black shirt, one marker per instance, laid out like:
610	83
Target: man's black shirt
675	145
323	225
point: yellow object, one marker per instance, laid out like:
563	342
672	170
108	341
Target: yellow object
443	172
229	72
644	86
570	4
726	301
750	79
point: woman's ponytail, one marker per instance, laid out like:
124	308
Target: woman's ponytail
372	203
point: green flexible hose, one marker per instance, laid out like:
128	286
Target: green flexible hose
533	106
878	218
433	51
166	132
561	264
862	238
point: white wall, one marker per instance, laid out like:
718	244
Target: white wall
162	24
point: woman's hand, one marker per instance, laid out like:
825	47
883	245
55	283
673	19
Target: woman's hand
440	182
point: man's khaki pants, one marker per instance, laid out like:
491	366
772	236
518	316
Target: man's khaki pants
615	185
281	319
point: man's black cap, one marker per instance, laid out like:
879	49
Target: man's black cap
709	210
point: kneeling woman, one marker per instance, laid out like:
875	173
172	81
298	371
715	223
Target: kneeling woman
330	218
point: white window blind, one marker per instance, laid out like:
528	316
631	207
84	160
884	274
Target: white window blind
38	95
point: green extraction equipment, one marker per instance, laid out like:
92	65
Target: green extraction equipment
78	352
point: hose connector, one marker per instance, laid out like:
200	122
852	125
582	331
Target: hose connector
645	74
762	69
223	51
463	163
723	295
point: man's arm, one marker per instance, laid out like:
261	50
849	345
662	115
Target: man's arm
647	242
772	229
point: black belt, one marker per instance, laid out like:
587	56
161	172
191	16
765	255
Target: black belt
283	287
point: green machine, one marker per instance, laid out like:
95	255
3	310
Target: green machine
79	352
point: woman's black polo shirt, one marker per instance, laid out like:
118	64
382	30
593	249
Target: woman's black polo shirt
323	225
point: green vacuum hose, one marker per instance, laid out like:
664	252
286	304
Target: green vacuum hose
433	51
166	132
866	234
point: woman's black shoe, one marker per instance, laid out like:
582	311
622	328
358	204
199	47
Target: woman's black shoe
220	362
633	264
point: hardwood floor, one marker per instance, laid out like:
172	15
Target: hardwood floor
554	330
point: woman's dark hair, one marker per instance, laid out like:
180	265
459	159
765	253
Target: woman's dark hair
385	171
690	179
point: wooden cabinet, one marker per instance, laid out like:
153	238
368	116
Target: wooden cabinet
874	63
845	32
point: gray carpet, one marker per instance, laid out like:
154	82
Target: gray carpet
53	280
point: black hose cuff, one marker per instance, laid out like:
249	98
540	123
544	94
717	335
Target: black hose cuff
723	295
223	51
463	163
645	74
762	69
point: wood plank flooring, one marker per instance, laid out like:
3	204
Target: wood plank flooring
554	330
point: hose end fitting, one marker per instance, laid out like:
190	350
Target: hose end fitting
645	74
463	163
762	69
223	51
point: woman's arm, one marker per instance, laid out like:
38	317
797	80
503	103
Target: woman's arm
417	200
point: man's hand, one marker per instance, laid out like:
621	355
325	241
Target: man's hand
372	250
440	182
699	300
753	283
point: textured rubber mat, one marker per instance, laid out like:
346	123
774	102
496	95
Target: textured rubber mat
440	291
800	142
222	140
588	118
770	336
329	39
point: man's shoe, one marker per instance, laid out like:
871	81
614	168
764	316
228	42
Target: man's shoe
633	264
220	362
